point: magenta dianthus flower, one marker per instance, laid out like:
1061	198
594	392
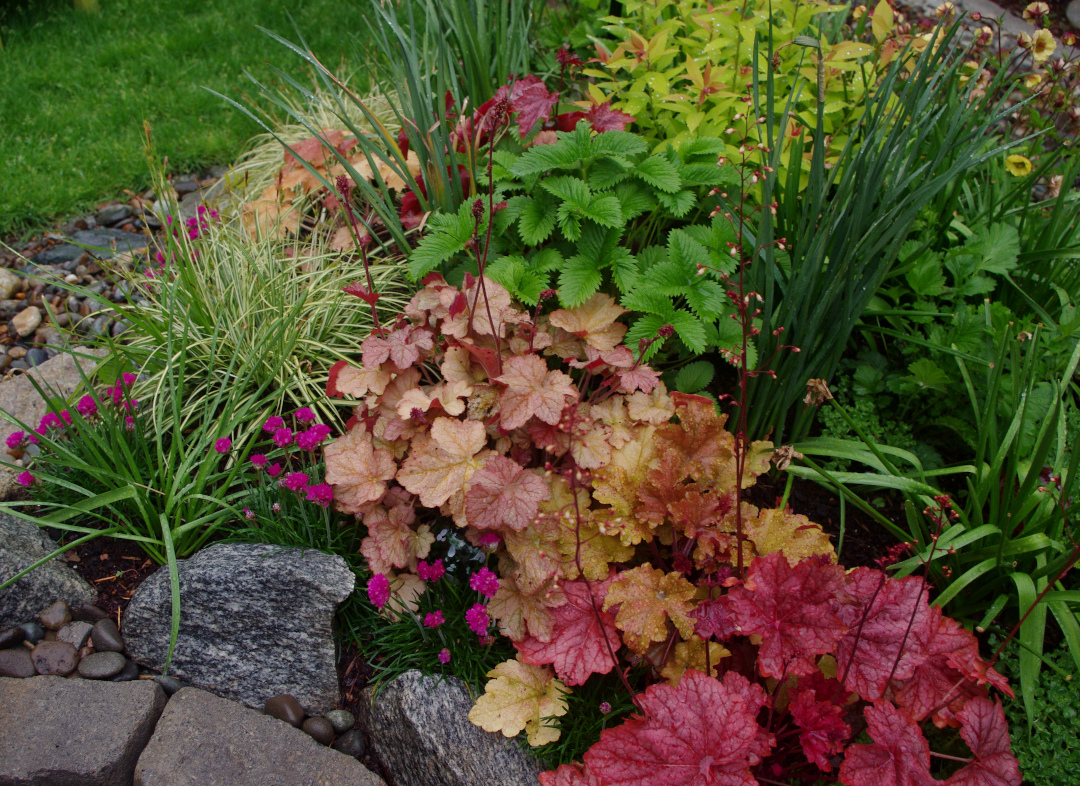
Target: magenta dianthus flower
223	445
485	582
304	415
378	590
321	495
489	540
15	440
294	481
432	572
249	514
444	656
273	470
282	437
433	619
258	460
272	424
87	407
25	479
49	420
477	619
129	423
308	440
276	507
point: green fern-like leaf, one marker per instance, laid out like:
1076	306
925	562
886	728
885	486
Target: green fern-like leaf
537	218
694	376
448	234
635	199
659	173
608	173
690	330
616	143
679	203
645	327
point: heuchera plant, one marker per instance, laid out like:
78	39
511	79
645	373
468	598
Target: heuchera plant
613	517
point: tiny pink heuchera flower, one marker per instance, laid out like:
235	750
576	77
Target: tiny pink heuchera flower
432	572
485	582
321	494
249	514
274	470
25	479
272	424
223	445
378	590
444	656
477	619
433	619
304	415
258	460
87	407
295	481
282	437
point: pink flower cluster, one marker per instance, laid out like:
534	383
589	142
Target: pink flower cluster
432	572
485	582
434	619
200	221
18	440
477	619
378	590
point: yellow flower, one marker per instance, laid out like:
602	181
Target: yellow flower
1031	81
984	35
1036	11
1042	46
945	10
1017	166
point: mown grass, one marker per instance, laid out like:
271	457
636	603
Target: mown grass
75	88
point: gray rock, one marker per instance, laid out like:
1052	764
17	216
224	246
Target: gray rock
102	665
255	621
17	663
341	720
58	732
351	743
58	254
113	214
319	729
119	327
75	634
33	632
170	685
104	243
27	321
22	544
89	613
9	284
201	739
421	734
185	185
101	325
129	672
106	636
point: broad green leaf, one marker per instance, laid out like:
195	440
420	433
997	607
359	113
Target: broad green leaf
926	277
579	280
659	173
690	329
694	376
679	203
537	218
925	373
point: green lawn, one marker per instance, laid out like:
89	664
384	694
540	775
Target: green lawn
75	88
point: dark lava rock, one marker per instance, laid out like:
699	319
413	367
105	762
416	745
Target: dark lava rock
286	708
17	663
55	657
102	665
106	637
319	729
351	743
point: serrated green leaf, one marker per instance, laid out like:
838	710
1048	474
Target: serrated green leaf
703	147
690	329
651	255
566	153
649	301
634	198
679	203
546	259
926	278
645	328
616	143
659	173
604	210
571	190
608	173
523	281
569	223
686	252
579	280
925	373
447	235
694	376
706	298
537	218
625	271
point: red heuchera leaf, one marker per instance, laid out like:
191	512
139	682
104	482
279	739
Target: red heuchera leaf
604	118
569	775
899	756
882	640
823	730
532	390
503	493
702	732
577	646
532	102
714	620
410	213
402	347
987	734
793	609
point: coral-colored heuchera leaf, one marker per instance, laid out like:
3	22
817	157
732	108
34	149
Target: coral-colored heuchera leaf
532	390
899	756
357	470
577	647
702	732
885	630
648	599
402	347
503	493
792	609
391	541
594	320
822	731
520	614
440	467
987	734
521	696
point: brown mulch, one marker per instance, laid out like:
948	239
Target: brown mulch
114	567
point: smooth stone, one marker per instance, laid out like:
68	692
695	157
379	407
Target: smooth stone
88	612
105	243
170	685
75	633
17	663
351	743
101	325
113	214
102	665
16	352
32	632
50	635
74	732
22	365
55	657
27	321
119	327
12	637
1072	13
319	729
9	284
36	356
286	708
129	672
106	637
341	720
203	740
56	616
